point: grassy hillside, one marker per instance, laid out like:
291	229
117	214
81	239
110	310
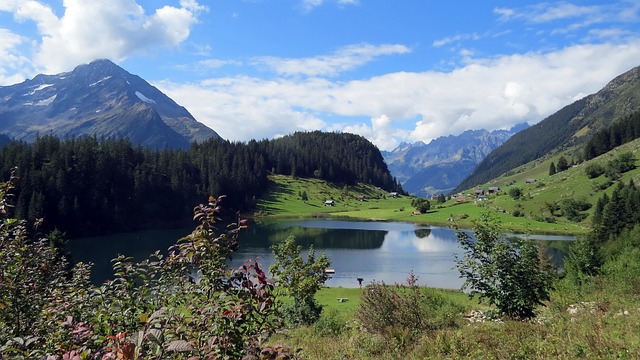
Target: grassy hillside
531	212
572	125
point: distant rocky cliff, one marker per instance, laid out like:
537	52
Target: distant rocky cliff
438	167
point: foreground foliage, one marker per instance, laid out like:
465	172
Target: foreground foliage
187	305
300	280
508	272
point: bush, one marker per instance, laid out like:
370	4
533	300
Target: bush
385	307
594	170
421	205
508	273
186	304
330	324
573	209
515	193
300	280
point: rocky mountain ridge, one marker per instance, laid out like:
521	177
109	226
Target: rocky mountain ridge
438	167
97	99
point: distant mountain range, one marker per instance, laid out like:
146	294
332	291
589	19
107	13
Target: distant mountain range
438	167
570	126
100	99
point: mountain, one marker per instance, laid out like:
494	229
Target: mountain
438	167
99	99
570	126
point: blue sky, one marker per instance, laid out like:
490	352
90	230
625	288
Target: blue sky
392	71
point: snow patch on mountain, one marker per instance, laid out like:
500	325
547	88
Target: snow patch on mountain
38	88
46	102
144	98
99	81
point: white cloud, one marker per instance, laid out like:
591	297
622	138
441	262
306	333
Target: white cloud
381	132
342	60
114	29
309	5
456	38
582	15
11	59
485	93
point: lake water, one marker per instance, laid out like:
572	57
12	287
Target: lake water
381	251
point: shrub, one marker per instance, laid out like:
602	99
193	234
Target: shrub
330	324
515	193
300	280
594	170
508	273
421	205
385	307
187	304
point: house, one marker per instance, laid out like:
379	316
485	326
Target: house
393	194
493	190
329	203
530	181
478	192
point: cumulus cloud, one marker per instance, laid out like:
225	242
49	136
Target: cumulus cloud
490	93
342	60
381	132
114	29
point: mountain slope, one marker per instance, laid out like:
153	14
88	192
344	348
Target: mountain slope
570	126
99	99
438	167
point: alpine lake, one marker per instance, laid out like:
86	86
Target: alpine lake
373	251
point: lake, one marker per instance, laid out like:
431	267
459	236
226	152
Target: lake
381	251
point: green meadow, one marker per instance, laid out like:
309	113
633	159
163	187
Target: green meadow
290	197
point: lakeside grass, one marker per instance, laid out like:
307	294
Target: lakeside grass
605	327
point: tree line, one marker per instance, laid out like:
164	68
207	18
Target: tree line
617	212
621	132
88	185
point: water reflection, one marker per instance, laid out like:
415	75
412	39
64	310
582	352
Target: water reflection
381	251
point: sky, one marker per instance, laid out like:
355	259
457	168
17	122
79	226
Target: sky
390	70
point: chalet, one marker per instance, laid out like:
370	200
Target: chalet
478	192
493	190
393	194
530	181
329	203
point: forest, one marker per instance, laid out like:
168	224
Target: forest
621	132
87	185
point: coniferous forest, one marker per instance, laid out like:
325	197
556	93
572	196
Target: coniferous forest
621	132
88	185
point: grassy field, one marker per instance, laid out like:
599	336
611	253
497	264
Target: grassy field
285	201
604	325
